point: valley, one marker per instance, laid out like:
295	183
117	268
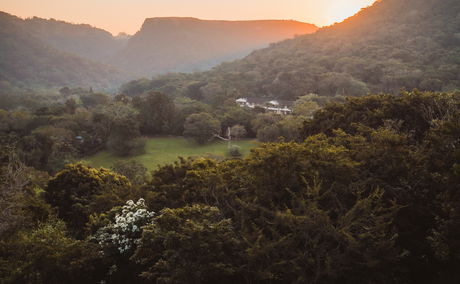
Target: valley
205	150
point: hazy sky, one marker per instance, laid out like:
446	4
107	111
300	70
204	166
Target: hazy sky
128	15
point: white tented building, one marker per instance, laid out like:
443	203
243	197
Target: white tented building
271	105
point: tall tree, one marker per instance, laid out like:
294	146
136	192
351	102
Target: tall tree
79	191
156	113
202	127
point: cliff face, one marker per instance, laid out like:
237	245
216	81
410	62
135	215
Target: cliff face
186	44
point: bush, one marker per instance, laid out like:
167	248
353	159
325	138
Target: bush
234	151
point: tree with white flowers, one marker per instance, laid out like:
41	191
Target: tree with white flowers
125	231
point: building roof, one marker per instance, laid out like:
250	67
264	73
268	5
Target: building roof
263	101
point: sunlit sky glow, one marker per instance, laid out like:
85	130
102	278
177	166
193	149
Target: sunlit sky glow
128	15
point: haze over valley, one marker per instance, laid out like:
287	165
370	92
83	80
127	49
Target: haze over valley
81	55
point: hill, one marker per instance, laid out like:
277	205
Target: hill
79	39
390	45
46	53
26	61
186	44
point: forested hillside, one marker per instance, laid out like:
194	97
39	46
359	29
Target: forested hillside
391	45
27	62
82	40
49	53
186	44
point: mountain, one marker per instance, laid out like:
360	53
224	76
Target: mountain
27	61
48	53
390	45
186	44
79	39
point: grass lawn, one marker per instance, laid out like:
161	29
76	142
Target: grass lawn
164	150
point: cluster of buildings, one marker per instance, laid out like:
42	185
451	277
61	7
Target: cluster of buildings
269	105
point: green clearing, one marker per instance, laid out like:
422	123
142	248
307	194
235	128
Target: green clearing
165	150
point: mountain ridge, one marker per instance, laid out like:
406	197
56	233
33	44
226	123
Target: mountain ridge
28	62
390	45
191	42
80	39
163	44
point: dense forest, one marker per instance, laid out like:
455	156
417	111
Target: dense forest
391	45
358	184
369	196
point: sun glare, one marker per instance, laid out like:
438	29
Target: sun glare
342	14
342	11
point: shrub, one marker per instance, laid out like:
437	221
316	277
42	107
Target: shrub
234	151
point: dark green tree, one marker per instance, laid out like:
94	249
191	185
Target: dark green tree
46	254
79	191
202	127
156	113
193	244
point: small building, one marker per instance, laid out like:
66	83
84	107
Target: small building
269	104
80	139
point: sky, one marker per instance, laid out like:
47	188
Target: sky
128	15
